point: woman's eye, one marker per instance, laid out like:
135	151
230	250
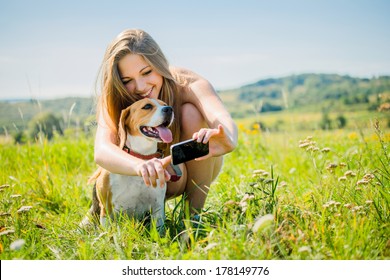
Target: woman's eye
147	107
125	82
147	72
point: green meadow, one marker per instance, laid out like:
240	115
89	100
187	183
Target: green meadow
282	194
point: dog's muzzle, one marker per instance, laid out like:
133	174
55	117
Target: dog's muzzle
168	115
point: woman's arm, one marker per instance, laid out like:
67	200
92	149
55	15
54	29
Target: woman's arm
222	131
111	157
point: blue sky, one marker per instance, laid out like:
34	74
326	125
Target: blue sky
51	49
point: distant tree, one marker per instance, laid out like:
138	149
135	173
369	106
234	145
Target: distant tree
20	137
326	122
45	123
341	121
269	107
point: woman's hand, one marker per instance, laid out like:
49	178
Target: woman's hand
153	170
219	142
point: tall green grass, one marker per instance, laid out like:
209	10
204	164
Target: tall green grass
279	196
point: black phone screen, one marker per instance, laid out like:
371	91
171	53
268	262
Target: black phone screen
188	150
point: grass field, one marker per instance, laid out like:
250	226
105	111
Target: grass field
281	195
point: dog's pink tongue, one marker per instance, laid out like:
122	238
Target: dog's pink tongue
165	134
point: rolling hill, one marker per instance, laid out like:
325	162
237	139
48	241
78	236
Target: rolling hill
296	93
308	92
16	114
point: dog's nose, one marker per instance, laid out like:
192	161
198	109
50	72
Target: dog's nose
167	109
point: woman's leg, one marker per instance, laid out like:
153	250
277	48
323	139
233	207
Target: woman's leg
197	175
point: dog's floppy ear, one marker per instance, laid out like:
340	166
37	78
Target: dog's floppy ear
122	134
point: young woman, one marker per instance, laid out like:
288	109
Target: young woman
134	67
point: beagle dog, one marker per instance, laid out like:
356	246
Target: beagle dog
141	126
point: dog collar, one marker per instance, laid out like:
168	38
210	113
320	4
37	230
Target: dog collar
176	177
141	156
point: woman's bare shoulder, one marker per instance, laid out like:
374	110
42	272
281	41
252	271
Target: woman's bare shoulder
184	76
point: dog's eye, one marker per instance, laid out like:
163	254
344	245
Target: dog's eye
147	107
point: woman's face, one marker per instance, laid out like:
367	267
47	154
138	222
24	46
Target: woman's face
139	77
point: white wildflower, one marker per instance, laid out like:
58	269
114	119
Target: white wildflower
263	222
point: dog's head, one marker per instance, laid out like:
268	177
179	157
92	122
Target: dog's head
149	118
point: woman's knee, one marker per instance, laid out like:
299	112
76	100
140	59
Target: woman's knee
191	119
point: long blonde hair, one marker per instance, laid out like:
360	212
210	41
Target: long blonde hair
114	97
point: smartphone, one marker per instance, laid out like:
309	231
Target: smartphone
188	150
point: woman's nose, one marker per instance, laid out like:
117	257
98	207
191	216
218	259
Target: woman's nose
140	85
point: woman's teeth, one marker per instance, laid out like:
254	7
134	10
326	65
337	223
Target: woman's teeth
147	94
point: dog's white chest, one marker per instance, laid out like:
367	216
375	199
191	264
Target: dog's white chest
131	196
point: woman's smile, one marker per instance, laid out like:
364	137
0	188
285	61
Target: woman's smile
148	93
